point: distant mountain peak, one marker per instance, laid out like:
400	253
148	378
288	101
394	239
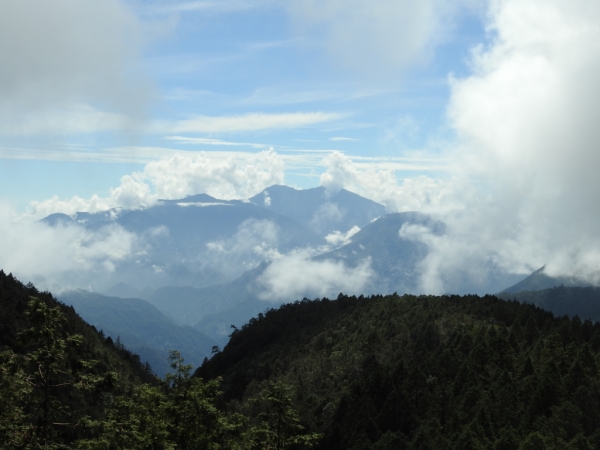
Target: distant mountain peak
540	280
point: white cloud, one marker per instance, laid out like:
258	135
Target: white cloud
342	139
234	176
246	122
64	120
208	6
132	193
528	139
229	178
60	57
295	276
527	118
65	255
267	199
422	193
337	238
216	142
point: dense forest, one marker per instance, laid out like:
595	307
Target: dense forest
64	385
393	372
423	372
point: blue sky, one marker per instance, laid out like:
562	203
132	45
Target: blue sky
225	61
482	113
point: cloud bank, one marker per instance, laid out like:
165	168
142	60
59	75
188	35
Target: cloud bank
62	256
296	276
239	176
526	193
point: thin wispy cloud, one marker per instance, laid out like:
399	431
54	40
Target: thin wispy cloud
219	6
342	139
213	142
246	122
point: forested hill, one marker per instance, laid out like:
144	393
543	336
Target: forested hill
15	319
57	372
421	372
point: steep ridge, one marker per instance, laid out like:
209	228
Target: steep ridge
393	259
14	297
55	370
540	280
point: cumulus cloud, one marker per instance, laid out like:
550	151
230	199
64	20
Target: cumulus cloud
527	192
239	176
382	36
61	57
61	256
295	276
228	178
267	199
422	193
527	120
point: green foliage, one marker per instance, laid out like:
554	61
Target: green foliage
278	426
135	421
14	392
420	372
195	420
356	373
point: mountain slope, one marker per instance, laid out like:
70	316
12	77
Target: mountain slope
198	240
583	302
56	371
539	280
394	259
421	372
141	327
318	209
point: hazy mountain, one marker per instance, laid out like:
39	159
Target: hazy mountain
319	210
539	280
141	327
124	290
198	240
236	302
393	259
572	301
203	241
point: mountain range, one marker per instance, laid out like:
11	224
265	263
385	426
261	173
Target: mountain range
202	241
207	264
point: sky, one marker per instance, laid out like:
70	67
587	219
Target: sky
480	112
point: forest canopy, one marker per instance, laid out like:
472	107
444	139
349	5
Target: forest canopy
383	372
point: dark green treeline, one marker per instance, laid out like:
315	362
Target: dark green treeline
423	372
63	385
371	373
